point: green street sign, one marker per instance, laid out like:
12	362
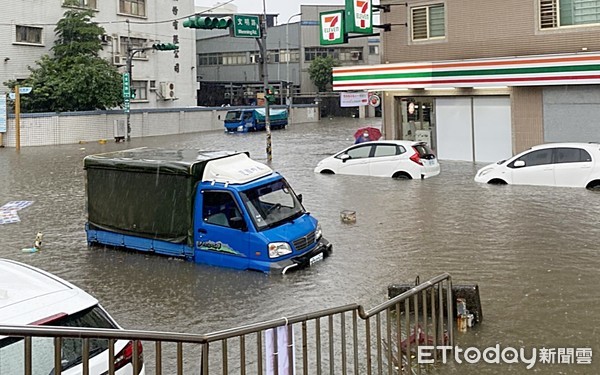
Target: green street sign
246	26
332	27
126	87
359	16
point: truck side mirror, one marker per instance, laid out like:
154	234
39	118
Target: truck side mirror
300	198
238	222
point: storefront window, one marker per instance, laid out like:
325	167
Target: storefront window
418	120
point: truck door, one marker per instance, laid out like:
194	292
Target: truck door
221	236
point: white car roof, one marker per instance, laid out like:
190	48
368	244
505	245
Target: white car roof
591	145
30	295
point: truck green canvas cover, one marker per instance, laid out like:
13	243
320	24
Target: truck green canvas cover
274	114
146	192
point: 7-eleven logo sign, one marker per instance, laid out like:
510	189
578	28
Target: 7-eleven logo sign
332	27
362	13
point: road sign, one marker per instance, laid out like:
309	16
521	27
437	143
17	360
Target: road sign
126	88
246	26
24	90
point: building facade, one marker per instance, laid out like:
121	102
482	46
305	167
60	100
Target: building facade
162	79
229	70
481	81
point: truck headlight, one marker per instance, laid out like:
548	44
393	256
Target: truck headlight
318	232
277	249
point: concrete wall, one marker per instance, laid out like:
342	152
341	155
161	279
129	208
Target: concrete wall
67	128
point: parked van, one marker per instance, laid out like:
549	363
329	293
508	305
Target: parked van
245	120
30	296
219	208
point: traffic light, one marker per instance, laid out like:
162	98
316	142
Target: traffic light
270	95
203	22
132	93
165	46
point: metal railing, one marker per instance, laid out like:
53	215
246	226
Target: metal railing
329	341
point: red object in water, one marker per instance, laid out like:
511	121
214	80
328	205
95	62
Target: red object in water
368	133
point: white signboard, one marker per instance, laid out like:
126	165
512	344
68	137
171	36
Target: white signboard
2	113
354	99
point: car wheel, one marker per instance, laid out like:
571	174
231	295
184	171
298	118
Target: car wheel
401	176
594	185
497	181
327	171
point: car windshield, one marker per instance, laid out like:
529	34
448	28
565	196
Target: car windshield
233	115
12	350
272	204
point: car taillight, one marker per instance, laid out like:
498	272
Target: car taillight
125	356
415	157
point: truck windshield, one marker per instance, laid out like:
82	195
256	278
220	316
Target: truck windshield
272	204
233	115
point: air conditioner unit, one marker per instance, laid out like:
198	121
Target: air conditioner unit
117	60
167	90
355	55
105	39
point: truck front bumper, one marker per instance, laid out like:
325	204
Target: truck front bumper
322	250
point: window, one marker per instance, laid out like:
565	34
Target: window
82	4
558	13
133	7
135	43
373	50
428	22
140	88
539	157
386	150
359	152
219	208
572	155
26	34
12	349
339	53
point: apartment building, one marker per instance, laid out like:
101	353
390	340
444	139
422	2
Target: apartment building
162	79
229	69
482	80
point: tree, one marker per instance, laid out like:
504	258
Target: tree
320	72
75	78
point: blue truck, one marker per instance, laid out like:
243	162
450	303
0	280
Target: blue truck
253	119
213	207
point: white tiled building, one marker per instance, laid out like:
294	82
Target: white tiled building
162	79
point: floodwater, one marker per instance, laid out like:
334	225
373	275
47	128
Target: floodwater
533	251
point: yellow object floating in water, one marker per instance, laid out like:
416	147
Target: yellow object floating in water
102	141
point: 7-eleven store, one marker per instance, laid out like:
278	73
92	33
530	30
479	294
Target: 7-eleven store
485	110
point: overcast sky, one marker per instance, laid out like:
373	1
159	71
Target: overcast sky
285	8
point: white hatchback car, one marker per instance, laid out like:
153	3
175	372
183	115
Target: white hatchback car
393	158
30	296
552	164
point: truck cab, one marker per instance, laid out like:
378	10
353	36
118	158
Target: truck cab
217	208
253	119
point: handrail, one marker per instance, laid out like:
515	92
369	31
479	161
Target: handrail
242	331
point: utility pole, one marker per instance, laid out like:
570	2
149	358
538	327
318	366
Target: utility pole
127	95
262	43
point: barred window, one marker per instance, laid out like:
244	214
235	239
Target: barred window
428	22
559	13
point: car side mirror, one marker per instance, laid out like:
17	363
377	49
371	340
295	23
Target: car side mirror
238	222
344	157
519	164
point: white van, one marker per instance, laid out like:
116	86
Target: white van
30	296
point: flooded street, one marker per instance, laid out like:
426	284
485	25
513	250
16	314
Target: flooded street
533	251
